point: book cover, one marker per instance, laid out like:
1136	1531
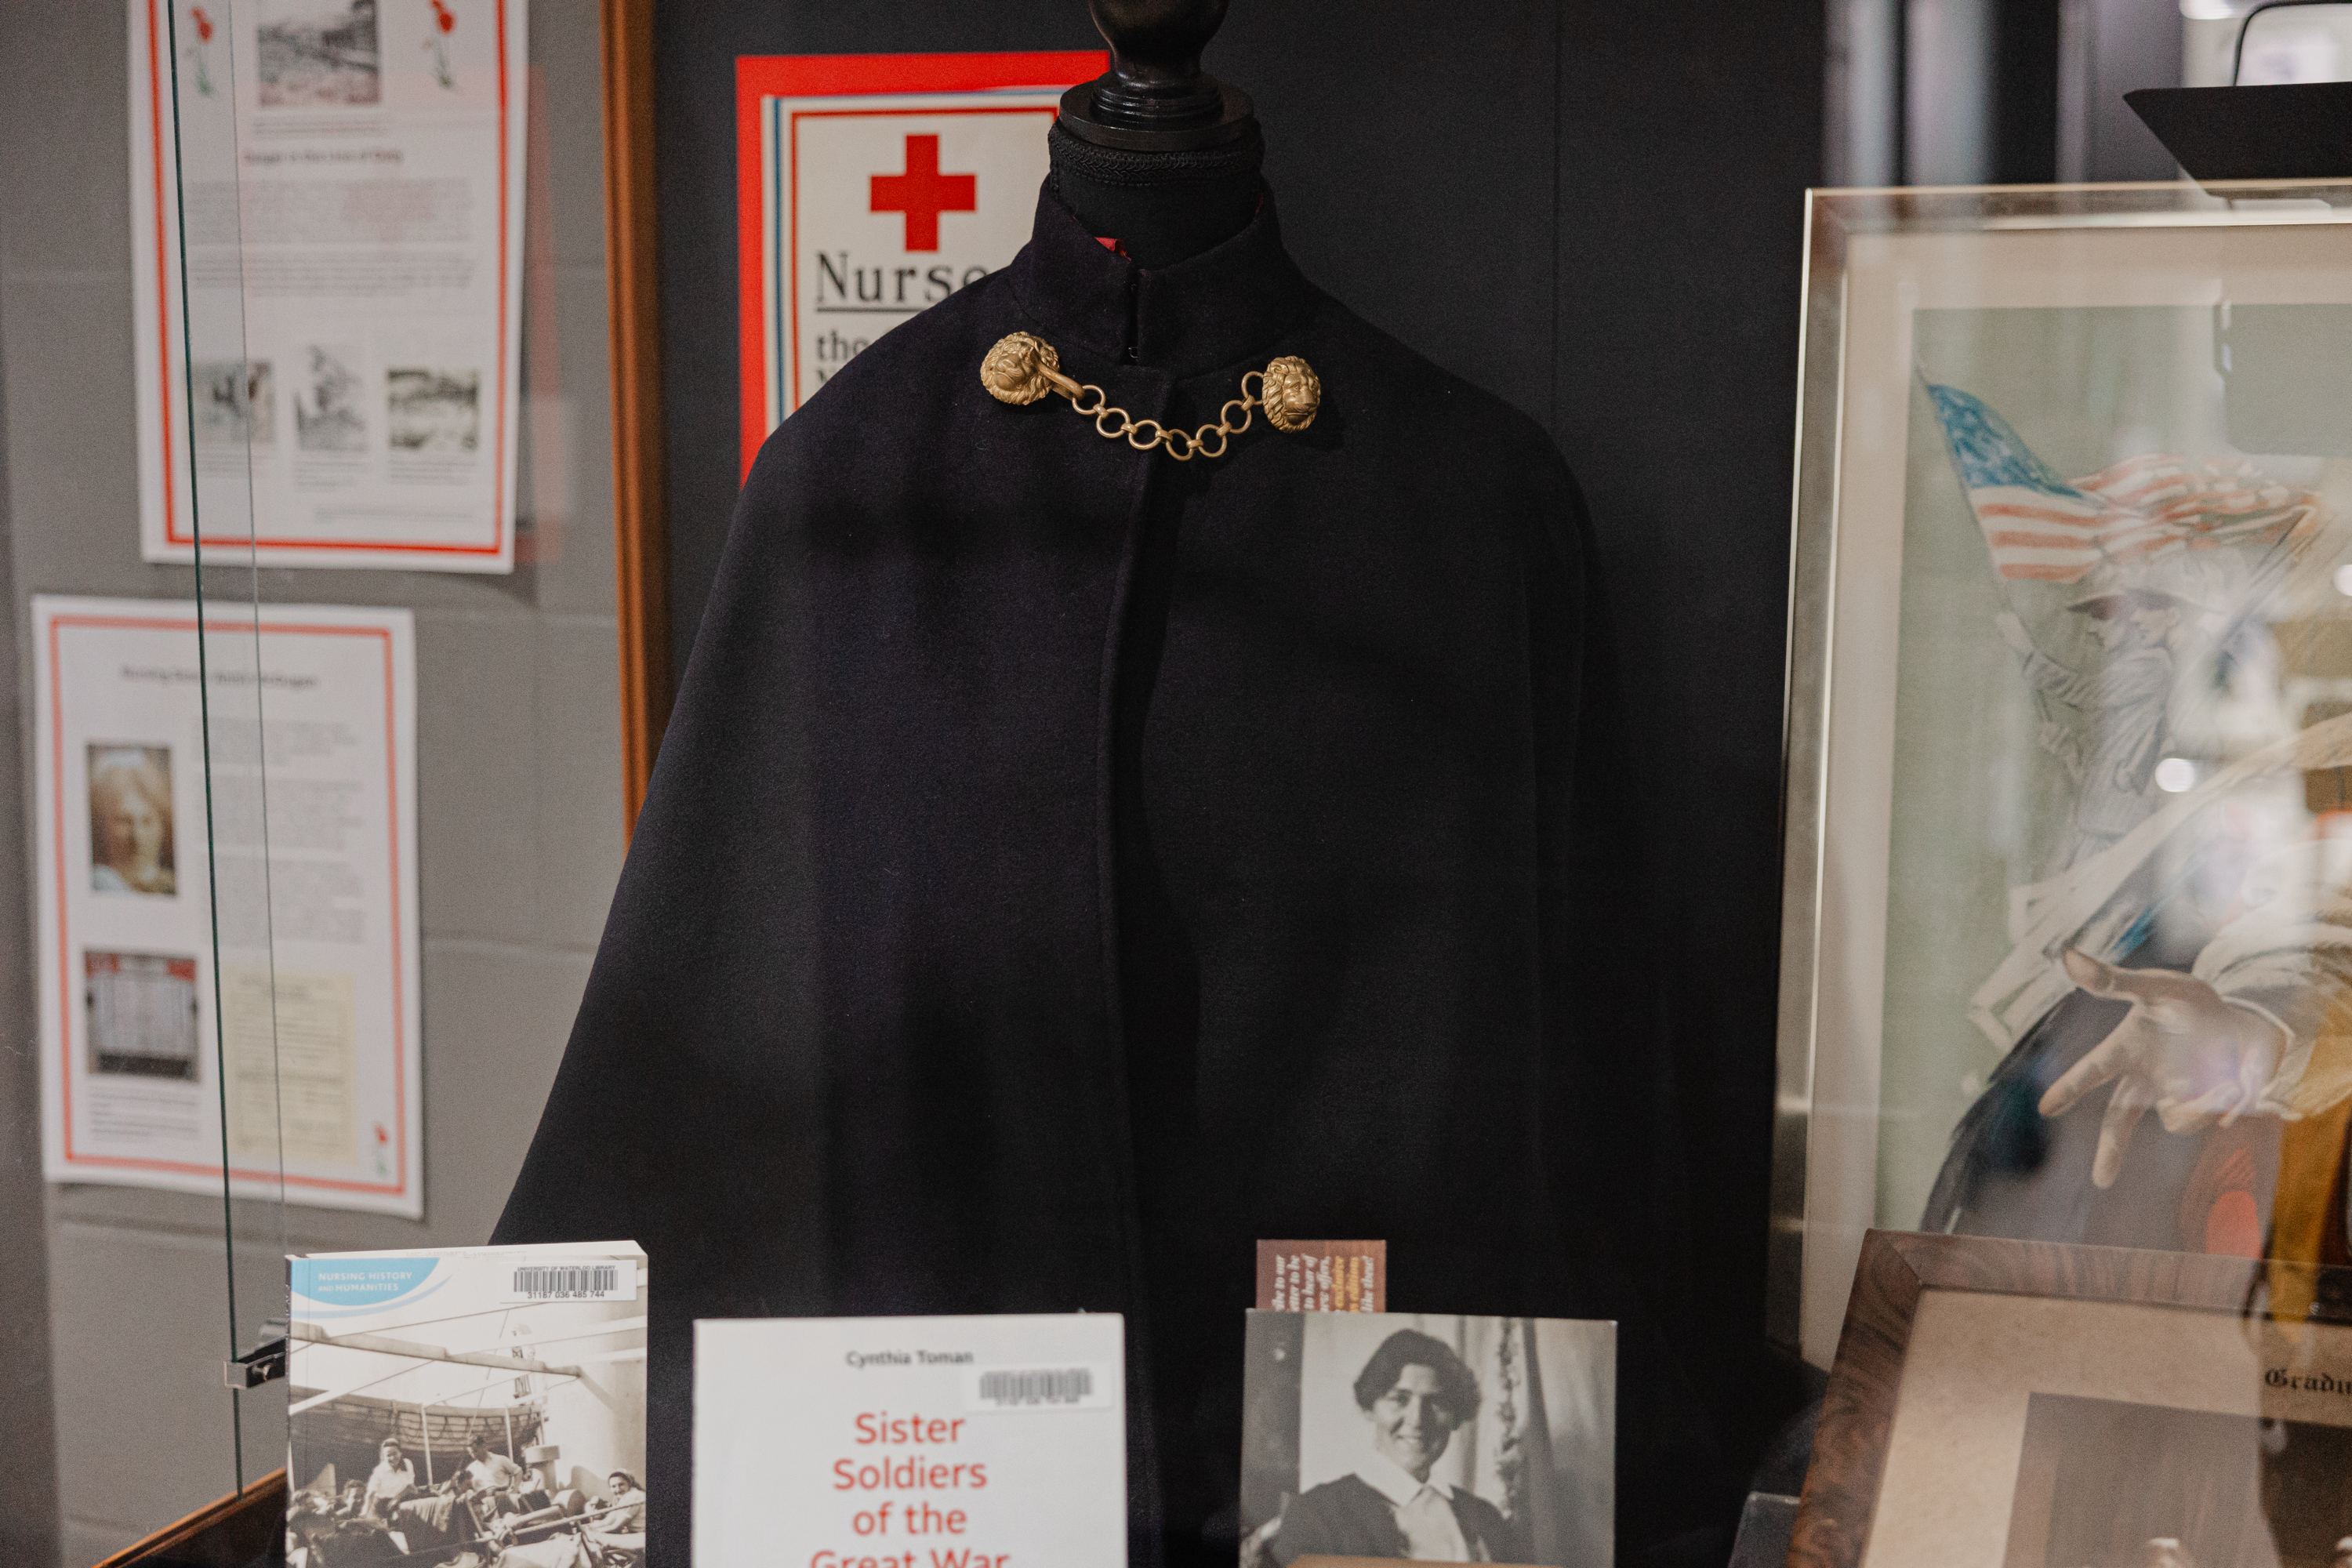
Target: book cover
977	1442
475	1405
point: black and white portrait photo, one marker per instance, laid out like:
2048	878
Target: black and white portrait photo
1430	1437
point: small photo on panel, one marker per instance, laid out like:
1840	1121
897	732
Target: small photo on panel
140	1015
327	402
326	417
1428	1438
130	835
433	410
317	53
235	404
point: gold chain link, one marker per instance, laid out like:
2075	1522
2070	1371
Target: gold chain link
1181	444
1023	368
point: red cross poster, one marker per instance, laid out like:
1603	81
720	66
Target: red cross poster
872	186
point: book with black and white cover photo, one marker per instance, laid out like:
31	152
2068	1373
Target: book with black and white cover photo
477	1407
1428	1436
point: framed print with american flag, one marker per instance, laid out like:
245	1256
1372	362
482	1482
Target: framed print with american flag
2069	743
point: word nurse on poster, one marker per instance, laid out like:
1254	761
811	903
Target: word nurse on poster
229	967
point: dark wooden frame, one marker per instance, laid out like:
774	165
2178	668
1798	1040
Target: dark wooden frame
234	1532
632	282
1857	1422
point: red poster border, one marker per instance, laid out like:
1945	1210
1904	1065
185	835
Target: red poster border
65	991
759	76
172	534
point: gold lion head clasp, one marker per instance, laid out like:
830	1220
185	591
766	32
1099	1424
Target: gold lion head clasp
1017	370
1292	393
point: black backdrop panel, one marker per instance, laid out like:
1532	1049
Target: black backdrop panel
1594	210
1688	130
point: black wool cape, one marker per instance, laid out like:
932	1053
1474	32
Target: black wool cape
1067	866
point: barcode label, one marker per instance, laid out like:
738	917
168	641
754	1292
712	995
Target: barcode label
587	1281
1037	1388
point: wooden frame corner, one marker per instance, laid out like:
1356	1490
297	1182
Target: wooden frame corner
1857	1423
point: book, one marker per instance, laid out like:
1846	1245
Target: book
977	1442
471	1405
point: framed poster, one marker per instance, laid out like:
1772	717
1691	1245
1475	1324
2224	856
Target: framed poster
2029	1405
326	203
2070	728
161	847
870	188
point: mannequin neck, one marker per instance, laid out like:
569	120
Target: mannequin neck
1162	207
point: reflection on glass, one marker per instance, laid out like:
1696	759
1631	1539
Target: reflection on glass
2297	43
2126	678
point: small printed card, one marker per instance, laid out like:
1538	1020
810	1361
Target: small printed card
986	1442
1322	1276
482	1399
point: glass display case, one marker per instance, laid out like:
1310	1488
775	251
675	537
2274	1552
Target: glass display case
348	624
313	601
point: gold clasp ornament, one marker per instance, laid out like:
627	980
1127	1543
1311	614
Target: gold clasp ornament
1023	368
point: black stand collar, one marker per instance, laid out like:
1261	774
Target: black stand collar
1213	309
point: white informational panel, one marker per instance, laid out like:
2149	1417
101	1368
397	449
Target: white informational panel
314	1003
986	1442
326	201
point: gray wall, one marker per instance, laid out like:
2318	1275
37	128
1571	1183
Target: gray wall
28	1488
519	792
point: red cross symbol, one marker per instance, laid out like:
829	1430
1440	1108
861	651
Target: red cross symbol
922	192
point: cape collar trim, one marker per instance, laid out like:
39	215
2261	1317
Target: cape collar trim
1201	315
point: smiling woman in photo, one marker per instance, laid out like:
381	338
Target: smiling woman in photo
1415	1393
131	820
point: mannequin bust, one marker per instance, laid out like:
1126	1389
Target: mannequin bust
1154	153
1147	853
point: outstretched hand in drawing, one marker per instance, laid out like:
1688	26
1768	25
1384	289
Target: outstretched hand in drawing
2183	1051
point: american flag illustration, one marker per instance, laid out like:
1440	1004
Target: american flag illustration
2048	529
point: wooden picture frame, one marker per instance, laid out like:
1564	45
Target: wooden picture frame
633	288
234	1532
1845	1492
